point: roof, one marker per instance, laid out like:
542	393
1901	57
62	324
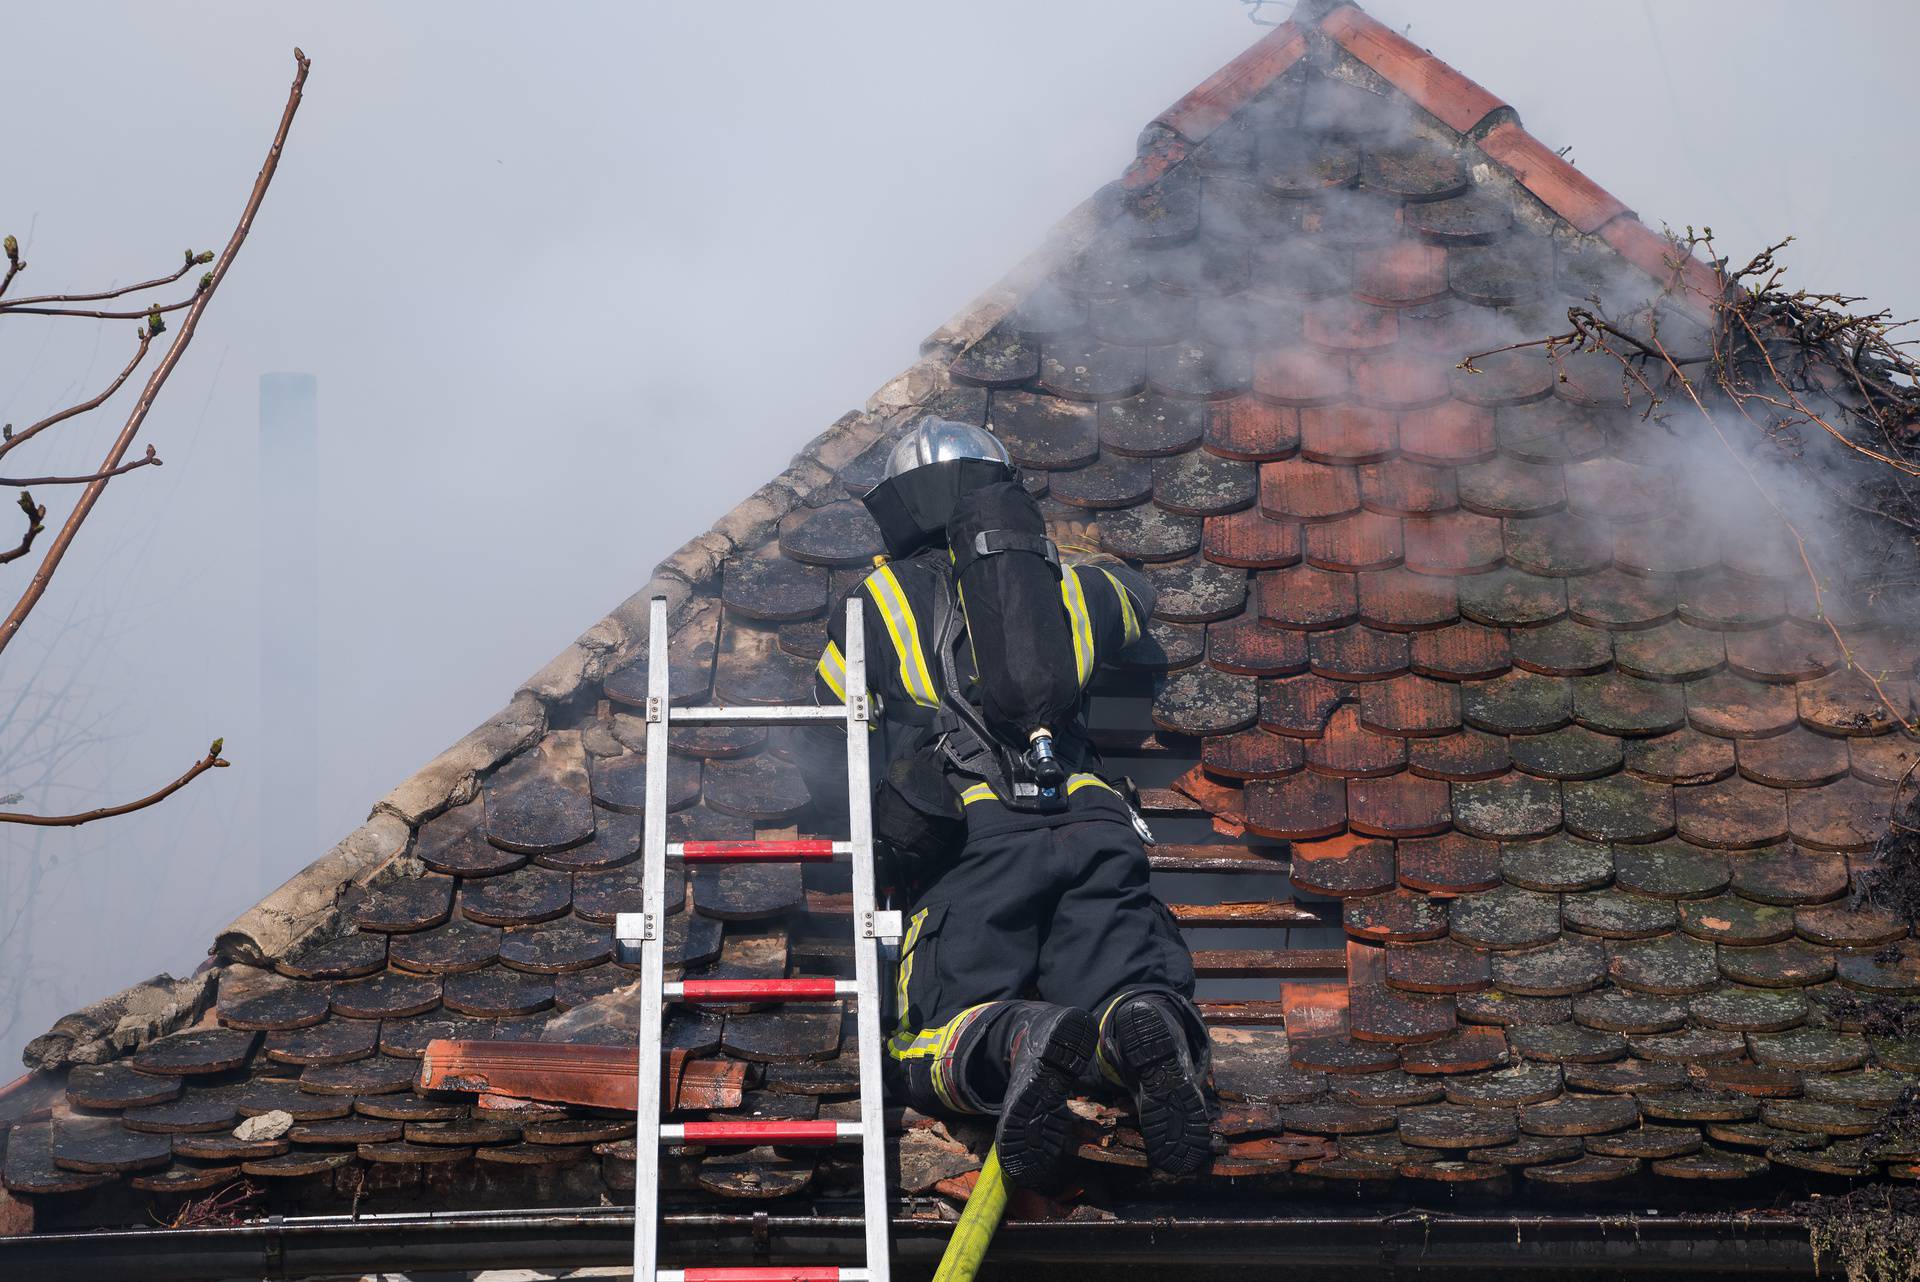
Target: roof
1511	803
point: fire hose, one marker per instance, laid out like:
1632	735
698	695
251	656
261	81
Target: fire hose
985	1208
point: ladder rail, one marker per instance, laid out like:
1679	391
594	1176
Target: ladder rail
653	874
866	948
870	926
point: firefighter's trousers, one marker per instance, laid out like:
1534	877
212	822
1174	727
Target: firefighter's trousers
1060	913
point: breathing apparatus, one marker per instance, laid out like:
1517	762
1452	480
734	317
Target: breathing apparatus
955	482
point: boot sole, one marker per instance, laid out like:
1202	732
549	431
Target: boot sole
1174	1118
1036	1128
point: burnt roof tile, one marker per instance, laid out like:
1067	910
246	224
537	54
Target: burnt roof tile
1149	425
1250	429
1440	966
1453	543
1346	434
1147	532
1297	808
1464	757
1683	757
1401	600
1448	433
1557	544
1113	481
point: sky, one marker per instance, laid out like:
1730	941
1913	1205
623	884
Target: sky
571	288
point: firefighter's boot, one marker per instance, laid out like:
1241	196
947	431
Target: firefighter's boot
1144	1041
1038	1050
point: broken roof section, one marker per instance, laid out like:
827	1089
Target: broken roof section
1564	784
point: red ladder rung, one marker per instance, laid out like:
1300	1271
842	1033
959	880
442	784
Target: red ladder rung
768	1273
760	990
748	1131
751	851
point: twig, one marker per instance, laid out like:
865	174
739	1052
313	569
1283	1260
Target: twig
193	260
149	460
10	626
212	761
36	513
19	438
14	265
143	314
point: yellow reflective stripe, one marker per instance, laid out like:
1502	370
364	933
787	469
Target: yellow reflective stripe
1075	600
906	966
833	671
934	1044
981	792
887	593
1130	622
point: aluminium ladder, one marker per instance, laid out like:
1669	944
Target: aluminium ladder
646	930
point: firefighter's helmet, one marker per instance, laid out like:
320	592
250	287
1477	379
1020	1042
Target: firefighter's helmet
928	469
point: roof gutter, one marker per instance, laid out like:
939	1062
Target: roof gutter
297	1247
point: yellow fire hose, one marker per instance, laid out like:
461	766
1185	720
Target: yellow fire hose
986	1205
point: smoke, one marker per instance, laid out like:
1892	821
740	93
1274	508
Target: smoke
573	286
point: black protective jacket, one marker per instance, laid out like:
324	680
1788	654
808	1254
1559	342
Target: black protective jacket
1106	604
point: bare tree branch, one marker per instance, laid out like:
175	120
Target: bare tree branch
10	626
193	260
150	460
36	513
12	438
212	761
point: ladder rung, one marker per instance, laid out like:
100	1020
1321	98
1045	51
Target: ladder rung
766	1273
750	715
760	990
760	851
749	1131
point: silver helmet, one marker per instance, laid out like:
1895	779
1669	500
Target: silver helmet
939	440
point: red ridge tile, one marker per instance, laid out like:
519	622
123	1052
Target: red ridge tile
1694	285
1450	97
1213	102
1558	185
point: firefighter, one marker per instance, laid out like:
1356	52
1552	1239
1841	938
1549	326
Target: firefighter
1036	962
